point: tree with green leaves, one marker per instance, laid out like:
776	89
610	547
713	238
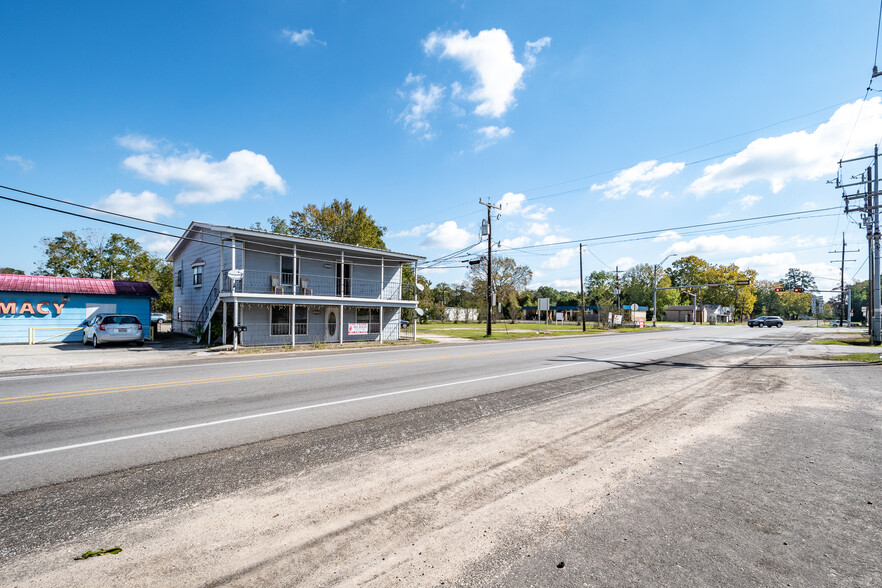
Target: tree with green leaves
10	270
338	221
92	255
509	280
797	278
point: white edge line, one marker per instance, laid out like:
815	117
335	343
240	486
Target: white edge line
311	406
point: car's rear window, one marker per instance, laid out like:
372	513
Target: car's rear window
121	320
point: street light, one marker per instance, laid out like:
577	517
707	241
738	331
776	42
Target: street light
655	287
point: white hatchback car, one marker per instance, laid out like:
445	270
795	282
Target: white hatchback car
113	328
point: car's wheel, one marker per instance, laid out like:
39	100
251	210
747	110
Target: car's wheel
94	340
779	325
85	338
751	326
139	343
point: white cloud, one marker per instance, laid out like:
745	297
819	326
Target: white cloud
208	181
646	192
642	173
491	135
748	201
23	164
571	285
561	259
159	245
138	143
773	266
146	205
513	203
625	263
302	38
423	101
414	232
553	239
532	49
799	155
489	57
516	242
448	236
667	236
709	244
538	229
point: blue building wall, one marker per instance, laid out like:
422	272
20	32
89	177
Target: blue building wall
14	327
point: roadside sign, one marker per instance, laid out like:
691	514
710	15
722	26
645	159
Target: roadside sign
544	304
635	307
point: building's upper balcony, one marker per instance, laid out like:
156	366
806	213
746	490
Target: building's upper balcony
287	284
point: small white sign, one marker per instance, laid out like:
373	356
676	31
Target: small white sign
617	320
635	307
358	328
544	304
558	316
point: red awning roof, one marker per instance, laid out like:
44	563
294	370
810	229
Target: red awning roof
59	285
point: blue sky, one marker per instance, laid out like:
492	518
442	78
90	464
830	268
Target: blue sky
584	119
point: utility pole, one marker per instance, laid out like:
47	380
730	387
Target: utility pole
581	287
870	215
842	317
876	324
489	206
618	292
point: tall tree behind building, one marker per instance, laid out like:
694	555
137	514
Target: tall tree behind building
92	255
338	221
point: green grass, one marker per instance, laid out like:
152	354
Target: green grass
862	357
508	330
850	341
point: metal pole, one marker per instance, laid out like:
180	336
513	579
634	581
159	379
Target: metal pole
842	285
868	222
654	292
581	287
877	299
489	271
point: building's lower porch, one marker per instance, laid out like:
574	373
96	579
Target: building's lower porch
293	323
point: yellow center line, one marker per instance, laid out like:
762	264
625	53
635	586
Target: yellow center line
244	377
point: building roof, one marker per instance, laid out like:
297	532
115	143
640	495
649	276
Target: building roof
222	231
60	285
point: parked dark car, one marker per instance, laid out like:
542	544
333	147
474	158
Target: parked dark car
766	321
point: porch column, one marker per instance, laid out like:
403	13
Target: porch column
224	329
381	324
340	324
382	282
235	322
293	314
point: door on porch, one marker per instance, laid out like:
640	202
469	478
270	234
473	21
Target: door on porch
332	324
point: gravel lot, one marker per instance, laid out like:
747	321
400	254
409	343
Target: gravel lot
749	465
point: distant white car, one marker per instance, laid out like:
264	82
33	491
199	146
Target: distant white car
158	318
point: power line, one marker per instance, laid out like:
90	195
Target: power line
680	228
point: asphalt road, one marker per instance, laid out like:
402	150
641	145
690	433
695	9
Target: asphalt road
712	456
59	427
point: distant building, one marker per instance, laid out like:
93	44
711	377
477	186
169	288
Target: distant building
705	313
455	314
53	308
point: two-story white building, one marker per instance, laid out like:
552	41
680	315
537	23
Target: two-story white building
287	290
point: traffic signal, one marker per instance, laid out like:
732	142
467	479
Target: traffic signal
779	289
742	282
799	289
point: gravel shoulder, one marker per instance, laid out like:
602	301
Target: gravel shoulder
756	463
